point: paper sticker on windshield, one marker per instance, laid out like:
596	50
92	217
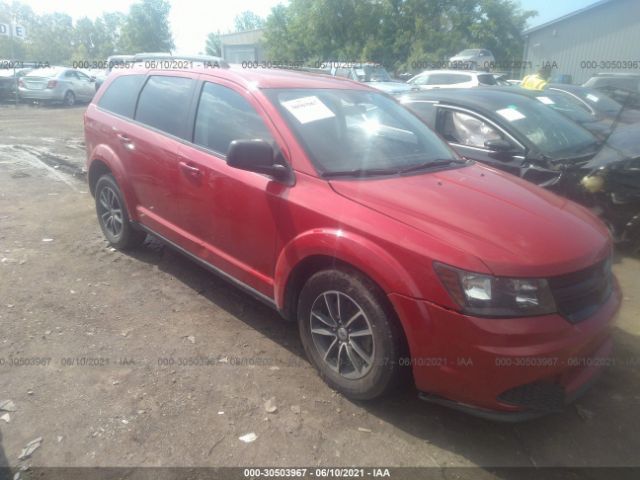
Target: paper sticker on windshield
592	97
510	114
545	100
308	109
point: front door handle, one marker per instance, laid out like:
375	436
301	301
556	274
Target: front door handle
190	169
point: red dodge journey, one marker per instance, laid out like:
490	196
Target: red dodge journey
329	201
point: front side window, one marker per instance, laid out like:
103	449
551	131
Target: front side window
121	95
224	116
346	131
164	103
465	129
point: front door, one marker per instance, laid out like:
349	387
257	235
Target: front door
229	216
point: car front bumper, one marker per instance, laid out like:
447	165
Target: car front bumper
505	368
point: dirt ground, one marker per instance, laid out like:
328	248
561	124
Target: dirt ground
116	337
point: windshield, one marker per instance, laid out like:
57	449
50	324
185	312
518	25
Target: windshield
551	133
45	72
599	101
566	104
372	73
358	131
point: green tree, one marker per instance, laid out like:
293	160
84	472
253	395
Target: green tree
247	20
396	33
146	28
24	16
51	39
214	44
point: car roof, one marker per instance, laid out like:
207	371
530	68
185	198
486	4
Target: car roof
262	78
453	70
616	75
480	98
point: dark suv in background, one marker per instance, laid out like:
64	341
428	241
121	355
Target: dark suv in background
623	87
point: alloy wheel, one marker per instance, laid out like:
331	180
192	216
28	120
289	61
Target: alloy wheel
342	334
110	211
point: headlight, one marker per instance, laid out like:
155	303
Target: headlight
489	296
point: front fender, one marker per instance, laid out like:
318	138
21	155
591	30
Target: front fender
348	247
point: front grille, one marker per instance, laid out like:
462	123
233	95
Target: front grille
579	294
540	396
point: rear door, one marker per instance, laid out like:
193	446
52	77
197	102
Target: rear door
230	215
150	145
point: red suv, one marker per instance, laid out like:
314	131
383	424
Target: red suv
329	201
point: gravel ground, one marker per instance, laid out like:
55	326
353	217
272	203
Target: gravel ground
148	360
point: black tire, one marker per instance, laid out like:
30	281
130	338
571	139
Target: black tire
113	217
384	346
69	99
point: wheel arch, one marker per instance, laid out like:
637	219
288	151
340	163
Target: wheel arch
318	250
103	160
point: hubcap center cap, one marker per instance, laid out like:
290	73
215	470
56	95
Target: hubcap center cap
342	334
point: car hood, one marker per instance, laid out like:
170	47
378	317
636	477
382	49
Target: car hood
391	87
630	116
514	227
626	139
623	144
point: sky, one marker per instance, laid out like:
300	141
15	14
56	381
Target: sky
192	20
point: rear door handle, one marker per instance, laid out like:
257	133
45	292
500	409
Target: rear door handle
126	141
190	169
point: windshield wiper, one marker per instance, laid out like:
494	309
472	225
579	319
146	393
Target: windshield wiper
433	164
361	172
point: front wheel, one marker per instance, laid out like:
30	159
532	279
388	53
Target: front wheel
350	333
113	216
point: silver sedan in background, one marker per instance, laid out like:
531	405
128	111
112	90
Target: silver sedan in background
56	85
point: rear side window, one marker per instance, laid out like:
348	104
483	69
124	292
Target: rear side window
164	104
223	116
447	78
121	95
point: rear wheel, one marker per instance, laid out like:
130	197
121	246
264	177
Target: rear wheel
69	99
113	217
350	333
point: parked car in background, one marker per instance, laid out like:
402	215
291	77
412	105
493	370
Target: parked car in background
333	204
598	103
522	136
473	59
597	113
451	79
570	107
622	87
372	74
56	85
9	82
502	79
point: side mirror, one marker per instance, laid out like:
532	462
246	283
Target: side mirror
92	79
499	145
256	156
